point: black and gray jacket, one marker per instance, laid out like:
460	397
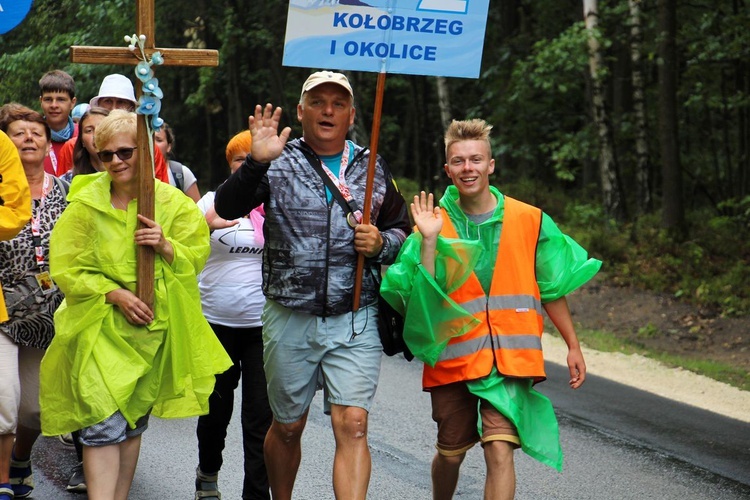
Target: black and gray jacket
309	261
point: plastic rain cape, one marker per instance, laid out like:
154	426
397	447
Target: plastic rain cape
99	363
530	411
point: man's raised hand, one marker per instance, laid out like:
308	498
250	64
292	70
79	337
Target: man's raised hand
268	143
426	215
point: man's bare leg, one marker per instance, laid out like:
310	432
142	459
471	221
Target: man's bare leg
283	451
352	463
445	475
501	474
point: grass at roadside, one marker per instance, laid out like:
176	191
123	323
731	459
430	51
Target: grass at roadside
608	342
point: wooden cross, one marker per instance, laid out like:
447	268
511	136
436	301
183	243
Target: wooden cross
122	55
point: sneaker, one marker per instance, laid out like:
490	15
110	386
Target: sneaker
66	439
21	477
6	491
77	481
206	486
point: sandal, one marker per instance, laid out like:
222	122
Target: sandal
21	477
206	486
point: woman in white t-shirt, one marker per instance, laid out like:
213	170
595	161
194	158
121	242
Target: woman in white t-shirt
180	176
232	299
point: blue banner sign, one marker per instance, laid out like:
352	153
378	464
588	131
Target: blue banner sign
12	12
414	37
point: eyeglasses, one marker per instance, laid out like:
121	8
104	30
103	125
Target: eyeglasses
122	153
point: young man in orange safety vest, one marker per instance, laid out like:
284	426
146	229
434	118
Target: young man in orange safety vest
476	278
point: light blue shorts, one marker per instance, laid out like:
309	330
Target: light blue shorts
303	352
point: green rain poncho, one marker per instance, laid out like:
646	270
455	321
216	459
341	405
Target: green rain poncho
99	363
432	318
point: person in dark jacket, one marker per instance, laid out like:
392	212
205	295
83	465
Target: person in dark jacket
311	336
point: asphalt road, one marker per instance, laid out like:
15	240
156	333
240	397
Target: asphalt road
620	443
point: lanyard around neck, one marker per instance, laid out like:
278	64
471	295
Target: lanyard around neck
36	225
340	181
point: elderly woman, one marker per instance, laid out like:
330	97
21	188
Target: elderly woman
31	298
233	302
115	360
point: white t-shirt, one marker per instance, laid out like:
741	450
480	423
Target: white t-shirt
230	284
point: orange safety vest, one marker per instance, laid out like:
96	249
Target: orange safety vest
509	333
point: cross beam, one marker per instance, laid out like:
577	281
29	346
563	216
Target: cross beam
145	25
121	55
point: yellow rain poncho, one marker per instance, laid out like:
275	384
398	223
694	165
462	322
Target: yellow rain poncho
432	318
98	362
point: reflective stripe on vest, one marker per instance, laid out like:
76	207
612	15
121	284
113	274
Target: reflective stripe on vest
454	351
517	302
508	335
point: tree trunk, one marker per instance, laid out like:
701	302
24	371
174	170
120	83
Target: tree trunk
643	193
673	211
611	191
444	101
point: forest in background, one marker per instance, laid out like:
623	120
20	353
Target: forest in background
628	121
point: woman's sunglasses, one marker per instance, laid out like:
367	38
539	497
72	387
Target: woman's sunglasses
122	153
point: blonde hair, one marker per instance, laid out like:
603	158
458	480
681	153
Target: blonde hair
118	122
467	130
242	142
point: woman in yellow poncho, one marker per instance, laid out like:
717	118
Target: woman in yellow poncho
114	361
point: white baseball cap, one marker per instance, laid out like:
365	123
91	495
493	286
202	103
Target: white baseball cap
322	77
115	85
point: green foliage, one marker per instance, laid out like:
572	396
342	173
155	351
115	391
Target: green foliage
649	331
711	269
567	150
408	188
589	224
543	127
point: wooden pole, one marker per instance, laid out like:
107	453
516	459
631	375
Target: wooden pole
145	255
374	138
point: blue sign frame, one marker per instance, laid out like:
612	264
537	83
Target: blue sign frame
416	37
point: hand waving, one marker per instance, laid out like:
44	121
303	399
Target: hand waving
426	215
268	143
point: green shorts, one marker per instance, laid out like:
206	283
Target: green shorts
303	352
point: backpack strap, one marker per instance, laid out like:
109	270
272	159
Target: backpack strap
63	185
176	168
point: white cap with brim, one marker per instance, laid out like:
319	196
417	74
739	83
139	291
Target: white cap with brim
322	77
118	86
